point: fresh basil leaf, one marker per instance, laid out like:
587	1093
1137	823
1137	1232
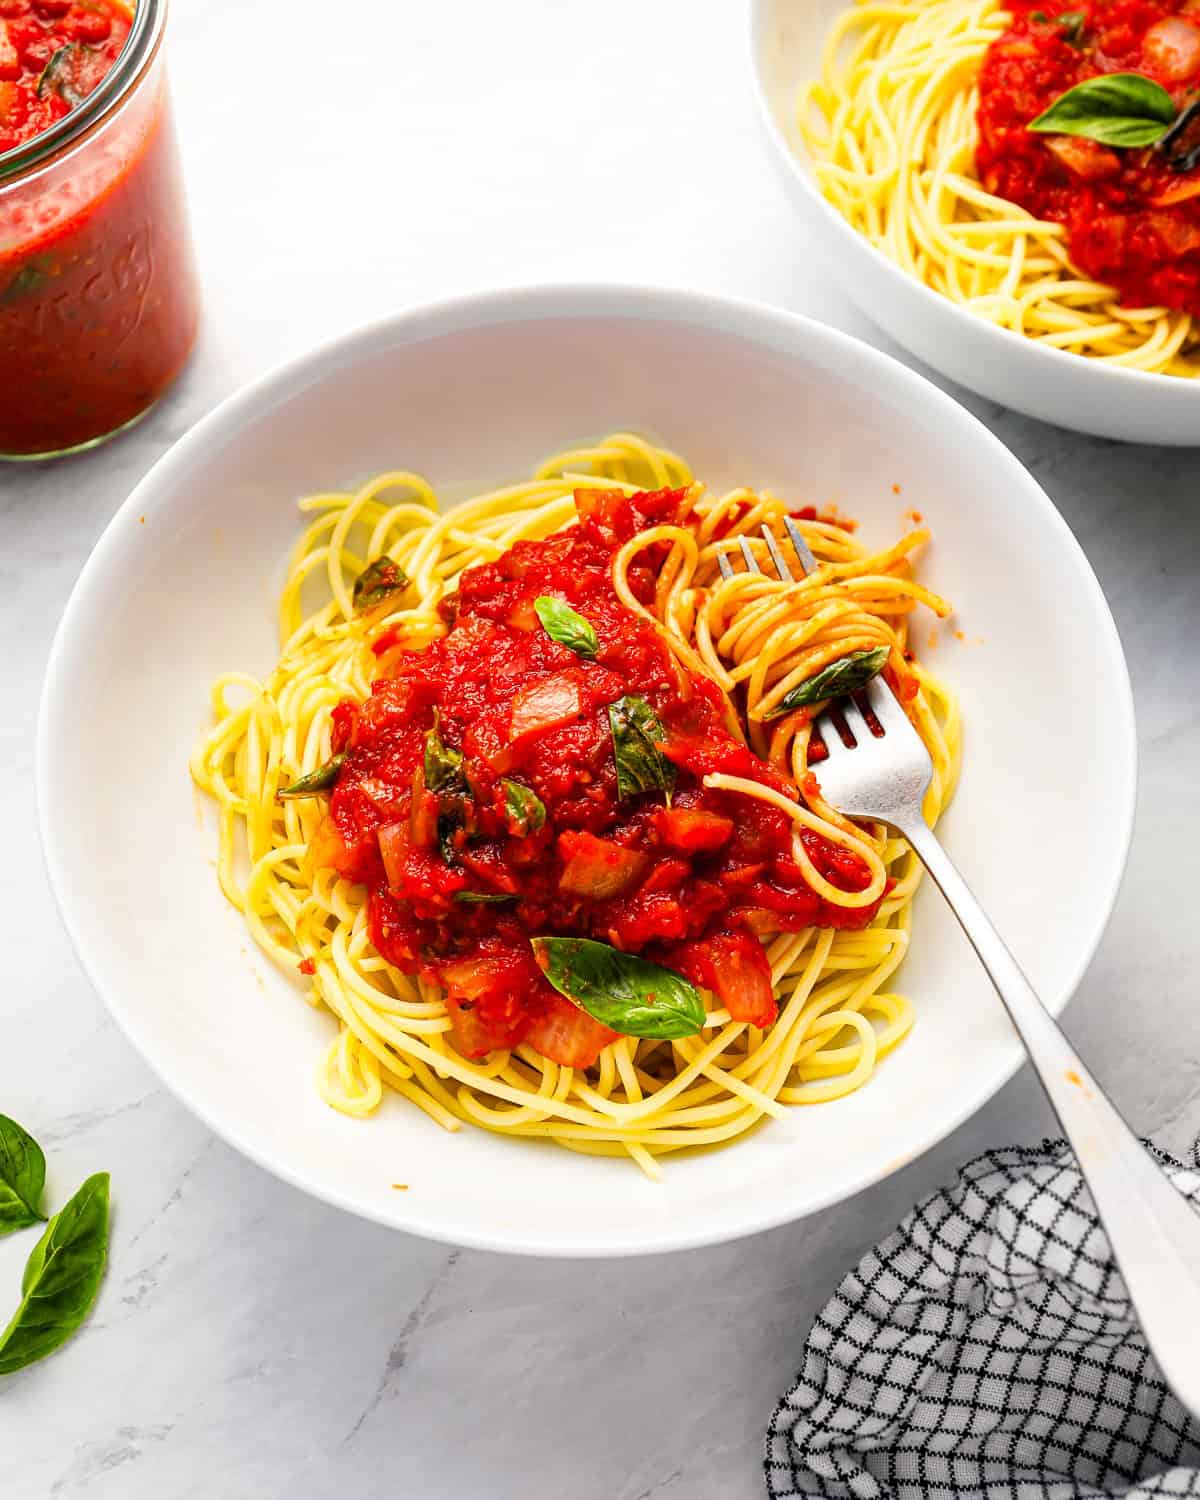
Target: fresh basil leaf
1072	23
1116	109
443	766
620	990
846	675
61	1278
316	781
56	75
376	582
479	898
562	624
22	1177
637	733
524	810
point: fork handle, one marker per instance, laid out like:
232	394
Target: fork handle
1152	1229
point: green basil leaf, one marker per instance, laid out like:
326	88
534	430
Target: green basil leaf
316	781
376	582
636	735
479	898
620	990
524	810
62	1277
1117	109
562	624
443	766
1072	23
56	75
846	675
22	1177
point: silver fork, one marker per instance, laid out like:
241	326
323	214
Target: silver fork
1153	1231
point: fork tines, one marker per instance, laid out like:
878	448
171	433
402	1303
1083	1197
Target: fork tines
801	548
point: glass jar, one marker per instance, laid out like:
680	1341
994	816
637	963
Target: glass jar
98	296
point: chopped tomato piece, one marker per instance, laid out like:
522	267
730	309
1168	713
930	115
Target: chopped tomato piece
328	849
473	1035
1179	194
544	705
666	875
567	1035
10	60
598	868
1088	160
734	966
693	829
486	996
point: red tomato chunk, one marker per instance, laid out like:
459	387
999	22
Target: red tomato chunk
690	885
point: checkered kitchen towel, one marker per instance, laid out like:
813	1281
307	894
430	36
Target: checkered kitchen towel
986	1349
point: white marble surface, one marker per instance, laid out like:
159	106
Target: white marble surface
249	1342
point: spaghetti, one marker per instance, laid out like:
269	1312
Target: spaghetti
893	129
741	644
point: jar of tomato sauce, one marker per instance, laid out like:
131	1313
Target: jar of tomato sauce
98	298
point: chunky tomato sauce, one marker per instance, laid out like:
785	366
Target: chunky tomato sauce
1133	218
53	53
688	883
98	307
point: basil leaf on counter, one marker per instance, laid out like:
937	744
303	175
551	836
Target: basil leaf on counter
637	733
22	1177
56	75
562	624
62	1277
376	582
478	898
846	675
620	990
316	781
443	766
1116	109
524	810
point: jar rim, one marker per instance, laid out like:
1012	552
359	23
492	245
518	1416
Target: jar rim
144	34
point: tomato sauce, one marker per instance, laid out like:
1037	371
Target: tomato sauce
1133	219
459	883
98	307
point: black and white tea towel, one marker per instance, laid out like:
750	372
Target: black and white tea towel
987	1349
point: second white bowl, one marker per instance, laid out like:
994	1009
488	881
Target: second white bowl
1070	390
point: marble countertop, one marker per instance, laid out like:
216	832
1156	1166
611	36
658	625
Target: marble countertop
249	1342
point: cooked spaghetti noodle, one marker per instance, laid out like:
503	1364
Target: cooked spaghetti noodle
891	126
755	636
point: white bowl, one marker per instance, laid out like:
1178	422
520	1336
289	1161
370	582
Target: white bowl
182	586
786	37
